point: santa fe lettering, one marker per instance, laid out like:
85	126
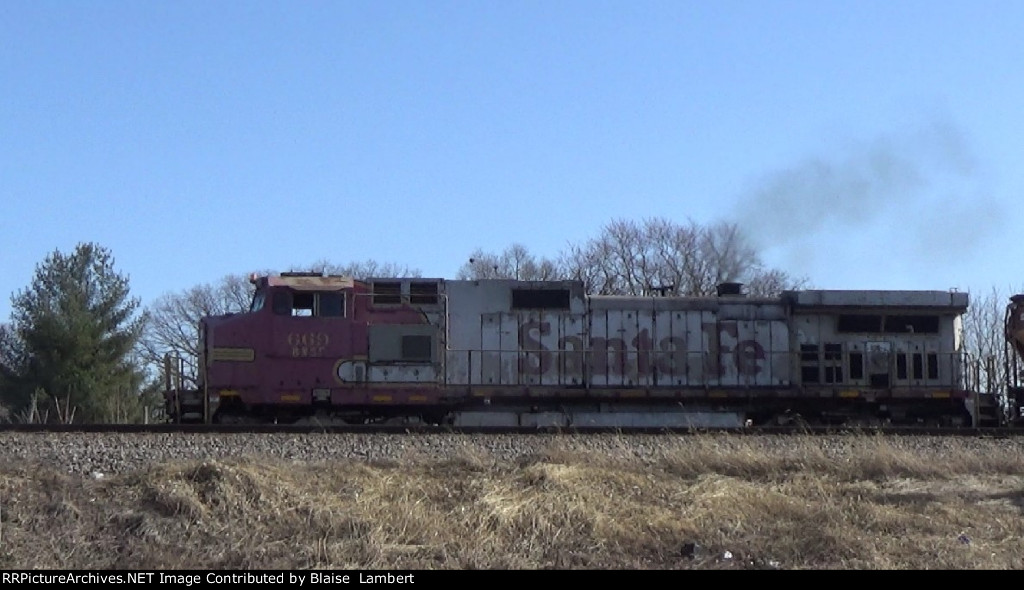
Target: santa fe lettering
723	351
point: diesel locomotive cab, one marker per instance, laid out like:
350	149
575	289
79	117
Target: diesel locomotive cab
281	351
243	356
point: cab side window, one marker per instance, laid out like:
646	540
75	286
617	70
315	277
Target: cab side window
332	305
311	304
303	304
282	303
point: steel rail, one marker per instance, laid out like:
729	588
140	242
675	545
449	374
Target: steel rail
481	430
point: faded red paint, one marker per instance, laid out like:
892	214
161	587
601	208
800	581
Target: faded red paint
294	355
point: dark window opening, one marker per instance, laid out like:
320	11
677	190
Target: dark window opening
540	299
833	352
809	353
901	366
282	303
332	305
918	366
894	324
912	324
856	365
933	365
416	348
854	322
302	304
423	293
833	374
297	304
387	293
809	374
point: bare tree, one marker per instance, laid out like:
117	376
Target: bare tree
620	261
583	263
984	340
366	269
730	256
630	258
515	262
771	282
173	321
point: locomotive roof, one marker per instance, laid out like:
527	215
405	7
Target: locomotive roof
308	282
835	298
803	298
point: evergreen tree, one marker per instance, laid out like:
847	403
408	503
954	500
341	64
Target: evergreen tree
78	329
13	393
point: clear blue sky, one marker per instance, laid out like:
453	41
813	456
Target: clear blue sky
864	144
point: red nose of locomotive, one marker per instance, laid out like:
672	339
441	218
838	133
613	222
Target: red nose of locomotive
191	392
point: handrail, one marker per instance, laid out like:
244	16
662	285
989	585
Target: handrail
952	370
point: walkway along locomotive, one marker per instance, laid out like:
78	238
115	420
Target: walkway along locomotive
545	353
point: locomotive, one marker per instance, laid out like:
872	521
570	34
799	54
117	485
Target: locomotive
500	352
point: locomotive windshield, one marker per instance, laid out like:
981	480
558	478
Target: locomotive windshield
257	301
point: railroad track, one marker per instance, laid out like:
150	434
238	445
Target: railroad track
422	429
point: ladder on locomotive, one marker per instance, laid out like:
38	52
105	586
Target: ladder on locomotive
184	405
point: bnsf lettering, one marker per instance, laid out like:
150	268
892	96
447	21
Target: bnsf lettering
641	355
308	343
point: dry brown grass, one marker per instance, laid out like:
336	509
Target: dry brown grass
875	507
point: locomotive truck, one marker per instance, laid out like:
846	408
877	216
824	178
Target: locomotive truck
499	352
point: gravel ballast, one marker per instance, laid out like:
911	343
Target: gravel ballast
94	453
